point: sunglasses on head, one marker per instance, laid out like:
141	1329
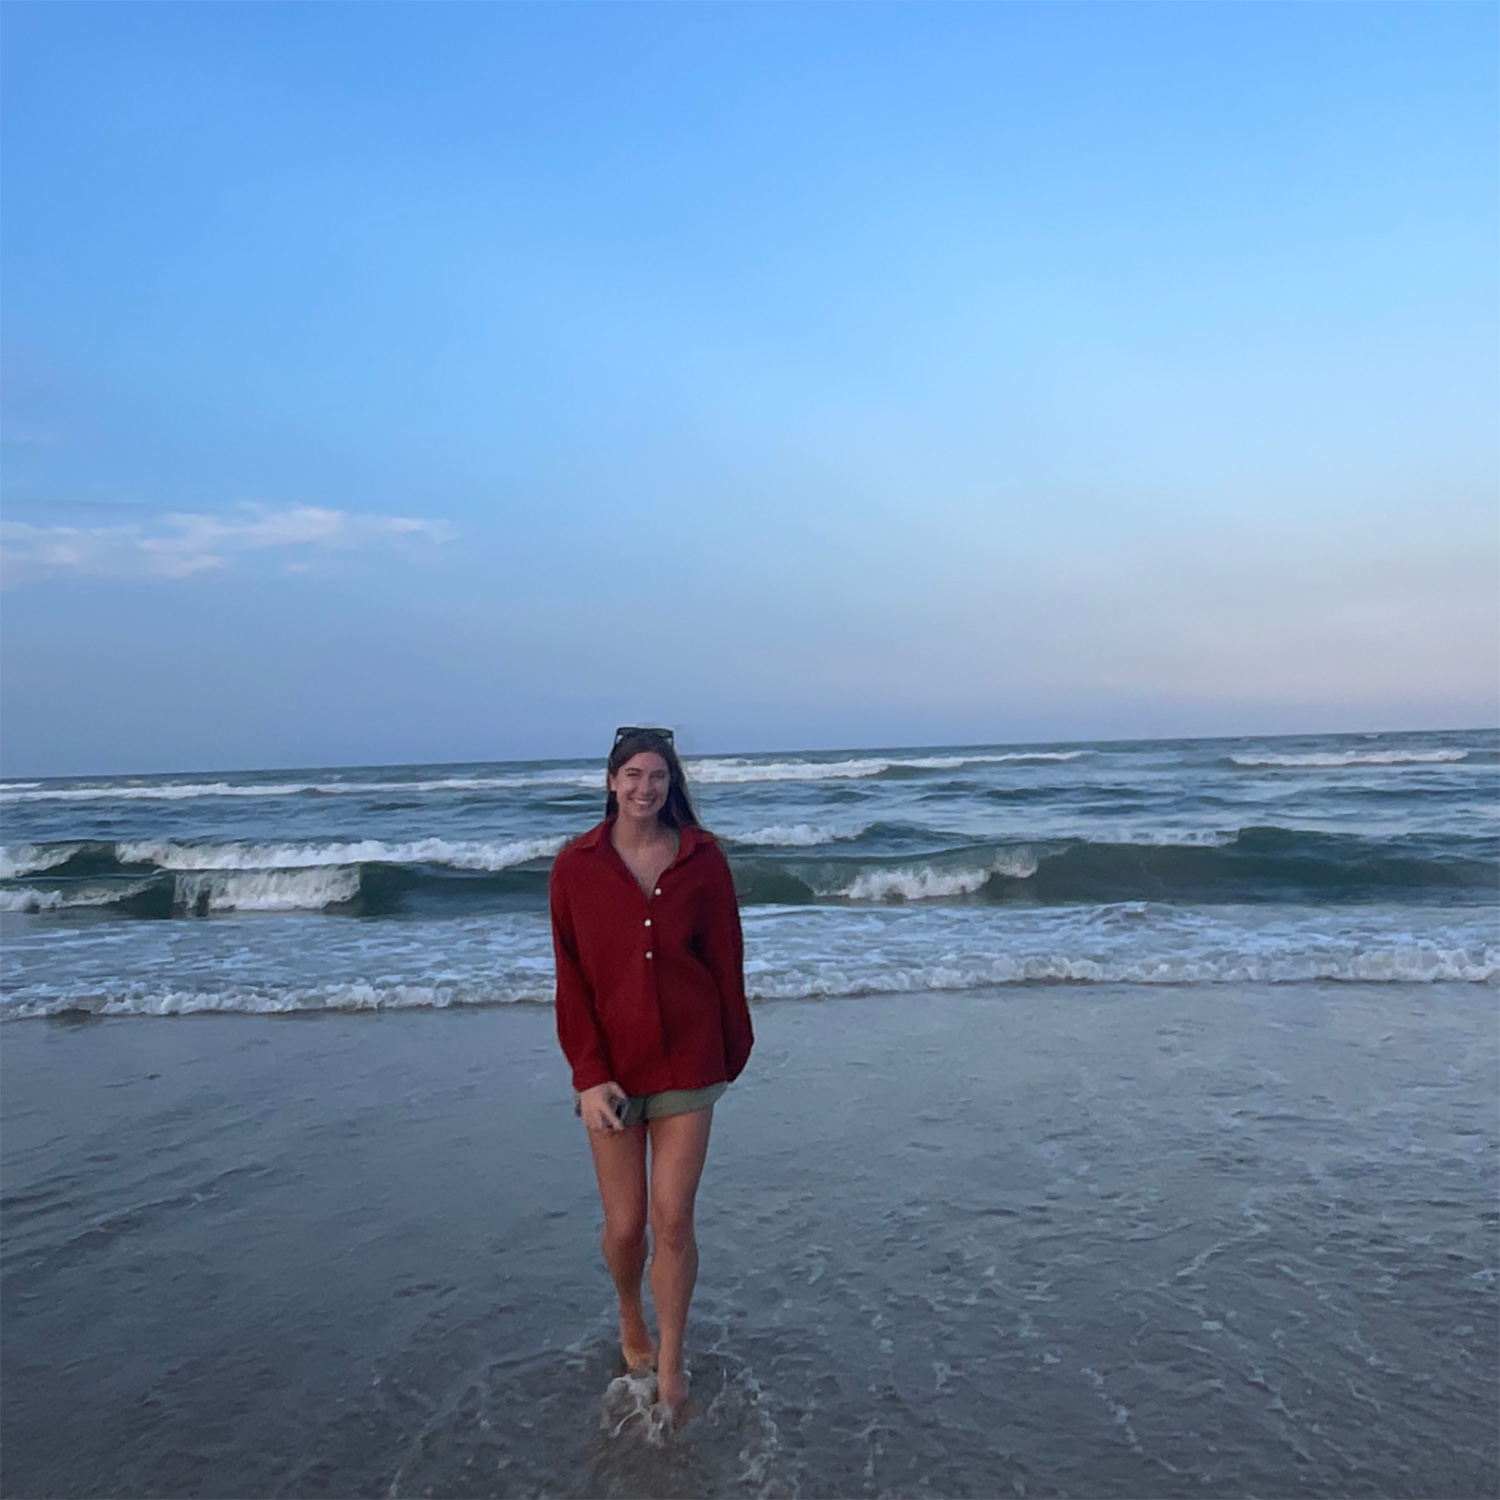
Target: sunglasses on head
630	729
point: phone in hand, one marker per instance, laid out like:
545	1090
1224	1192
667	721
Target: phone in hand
620	1105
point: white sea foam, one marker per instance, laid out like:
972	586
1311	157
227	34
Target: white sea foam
267	890
161	792
630	1404
850	971
1402	964
740	769
1065	832
30	859
187	790
29	899
144	1000
734	771
914	885
1332	759
951	762
23	898
796	835
461	855
929	883
1162	838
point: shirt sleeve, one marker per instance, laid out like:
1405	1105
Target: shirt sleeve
577	1022
724	953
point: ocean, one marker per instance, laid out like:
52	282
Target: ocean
1121	1123
1340	857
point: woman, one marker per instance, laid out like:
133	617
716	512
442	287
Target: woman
651	1014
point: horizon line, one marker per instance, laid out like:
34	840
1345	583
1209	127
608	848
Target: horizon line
560	760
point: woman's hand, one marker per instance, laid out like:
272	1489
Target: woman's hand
596	1106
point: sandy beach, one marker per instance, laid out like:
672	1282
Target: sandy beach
1046	1240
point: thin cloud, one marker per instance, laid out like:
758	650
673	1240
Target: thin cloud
185	543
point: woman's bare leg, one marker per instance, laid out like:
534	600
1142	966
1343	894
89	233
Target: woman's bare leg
679	1144
620	1165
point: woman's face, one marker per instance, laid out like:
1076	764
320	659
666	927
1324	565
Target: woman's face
640	785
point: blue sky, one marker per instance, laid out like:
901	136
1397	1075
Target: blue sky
432	382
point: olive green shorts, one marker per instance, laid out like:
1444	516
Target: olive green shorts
669	1102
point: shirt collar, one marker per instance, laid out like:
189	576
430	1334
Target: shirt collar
590	840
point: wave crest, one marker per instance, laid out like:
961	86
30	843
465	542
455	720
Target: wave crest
740	769
934	883
472	855
205	891
32	899
1329	760
32	859
188	790
797	835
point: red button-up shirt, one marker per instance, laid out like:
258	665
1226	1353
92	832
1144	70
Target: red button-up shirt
650	989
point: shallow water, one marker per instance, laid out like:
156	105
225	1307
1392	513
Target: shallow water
1043	1240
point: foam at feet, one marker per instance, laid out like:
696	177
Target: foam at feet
630	1409
445	1417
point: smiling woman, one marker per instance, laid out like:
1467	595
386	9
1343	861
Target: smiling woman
652	1016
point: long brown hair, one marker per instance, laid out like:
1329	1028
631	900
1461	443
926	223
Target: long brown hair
677	812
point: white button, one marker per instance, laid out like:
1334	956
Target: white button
657	891
648	953
648	921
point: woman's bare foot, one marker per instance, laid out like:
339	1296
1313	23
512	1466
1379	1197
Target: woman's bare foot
672	1391
636	1348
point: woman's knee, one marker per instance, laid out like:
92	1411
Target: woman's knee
672	1229
623	1234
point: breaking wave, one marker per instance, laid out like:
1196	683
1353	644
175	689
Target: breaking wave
734	769
796	835
157	878
188	790
164	878
205	891
927	883
1252	864
477	855
27	859
25	898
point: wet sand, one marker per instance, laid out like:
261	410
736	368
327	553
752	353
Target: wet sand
1052	1240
